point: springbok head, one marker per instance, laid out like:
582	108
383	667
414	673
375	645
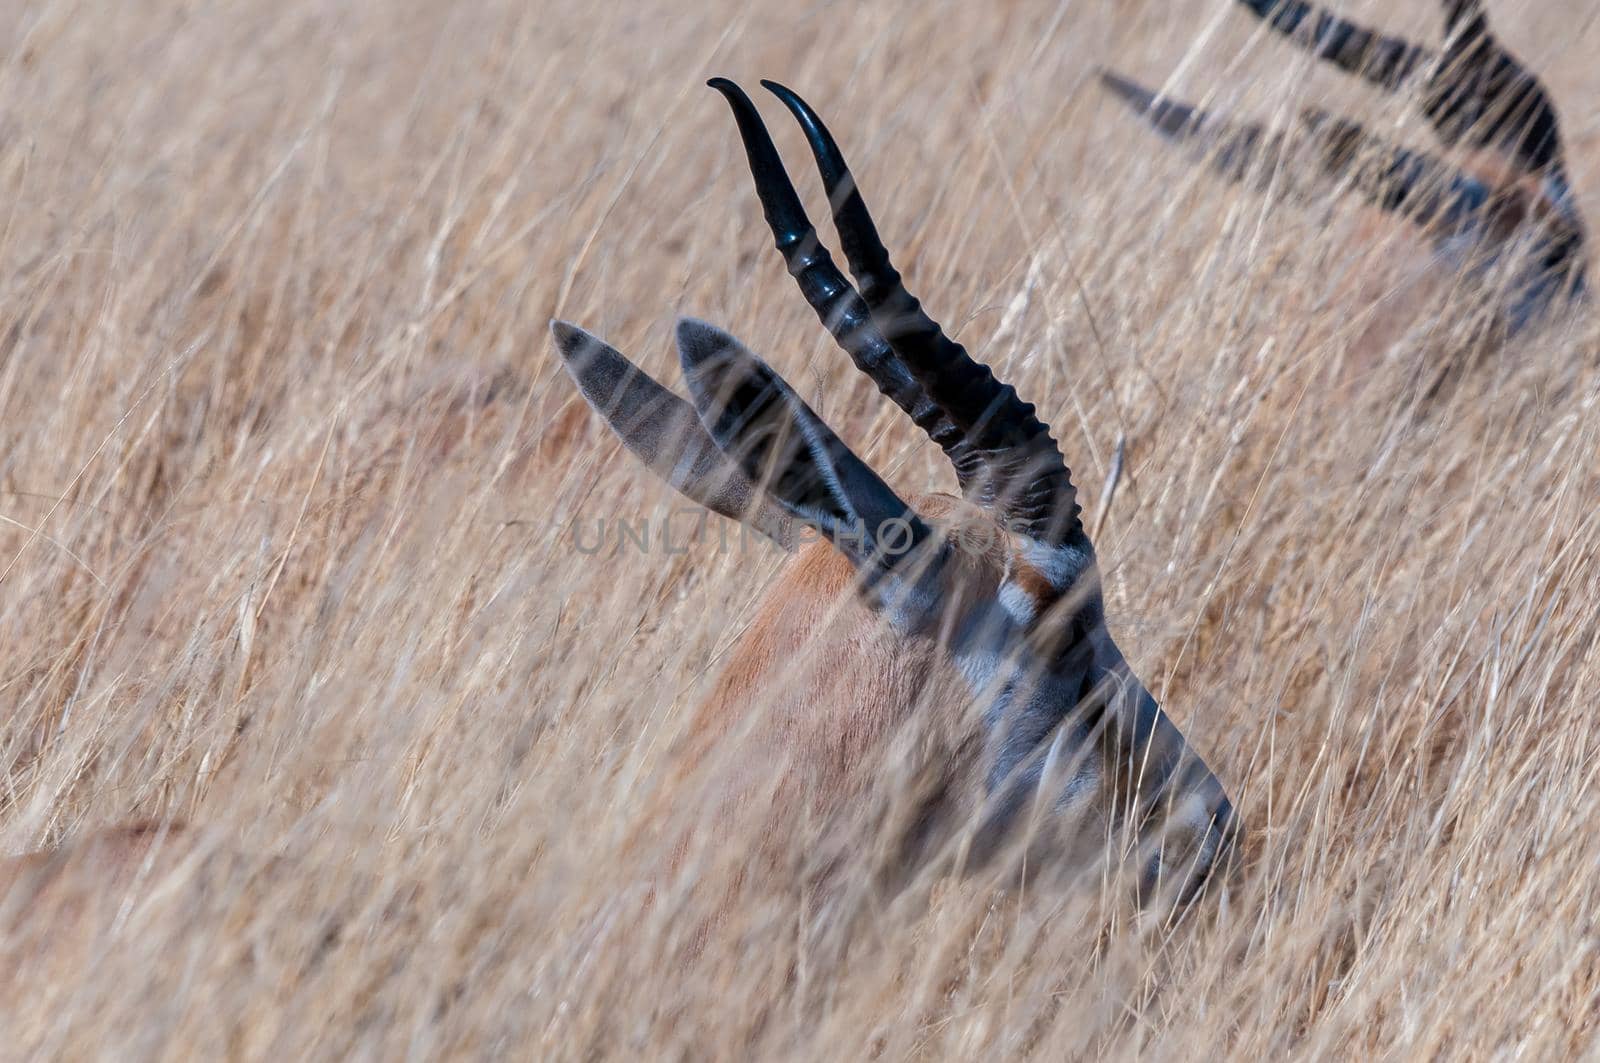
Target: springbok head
1517	200
996	591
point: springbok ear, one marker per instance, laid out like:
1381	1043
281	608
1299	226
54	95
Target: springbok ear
781	444
665	433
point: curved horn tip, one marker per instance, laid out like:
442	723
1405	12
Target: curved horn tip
809	120
743	106
782	91
1125	87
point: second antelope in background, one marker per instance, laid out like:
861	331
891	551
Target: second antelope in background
1507	215
984	610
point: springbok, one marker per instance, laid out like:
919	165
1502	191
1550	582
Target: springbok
986	607
1510	205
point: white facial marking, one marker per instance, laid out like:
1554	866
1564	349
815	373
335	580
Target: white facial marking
1060	565
1018	603
982	643
1192	814
978	669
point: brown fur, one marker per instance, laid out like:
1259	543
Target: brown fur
819	681
806	716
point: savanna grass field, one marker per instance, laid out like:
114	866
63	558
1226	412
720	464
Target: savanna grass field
298	515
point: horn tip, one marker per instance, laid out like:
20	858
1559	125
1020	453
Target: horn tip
1126	88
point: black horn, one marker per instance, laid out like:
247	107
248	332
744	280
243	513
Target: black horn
1003	454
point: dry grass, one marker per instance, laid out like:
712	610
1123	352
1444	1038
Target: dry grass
289	480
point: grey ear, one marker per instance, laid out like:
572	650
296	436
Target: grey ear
759	422
665	433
